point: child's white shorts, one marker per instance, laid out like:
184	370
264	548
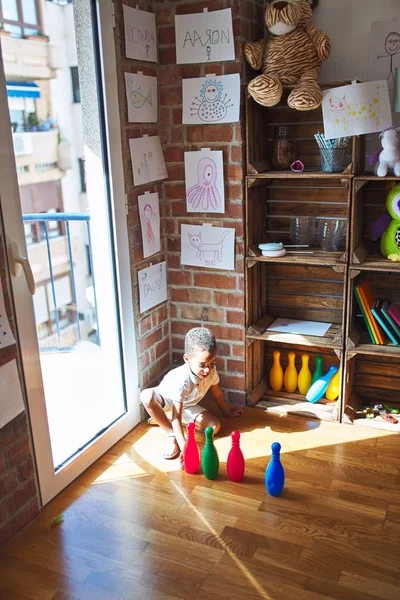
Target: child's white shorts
189	413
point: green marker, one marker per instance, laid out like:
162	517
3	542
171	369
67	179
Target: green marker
209	458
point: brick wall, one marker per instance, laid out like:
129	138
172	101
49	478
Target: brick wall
152	327
19	501
198	296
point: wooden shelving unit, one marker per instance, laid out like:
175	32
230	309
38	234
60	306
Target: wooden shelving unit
316	286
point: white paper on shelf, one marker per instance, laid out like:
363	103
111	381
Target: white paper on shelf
301	327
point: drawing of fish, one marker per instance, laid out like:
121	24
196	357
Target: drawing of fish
138	99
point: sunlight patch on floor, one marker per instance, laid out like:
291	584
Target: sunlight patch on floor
249	576
123	468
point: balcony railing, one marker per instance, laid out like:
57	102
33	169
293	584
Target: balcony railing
56	257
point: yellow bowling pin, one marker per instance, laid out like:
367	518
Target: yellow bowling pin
333	388
276	372
290	377
305	376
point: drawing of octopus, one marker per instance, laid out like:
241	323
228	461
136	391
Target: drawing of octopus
211	106
205	192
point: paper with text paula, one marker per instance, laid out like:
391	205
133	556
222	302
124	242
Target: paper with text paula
152	286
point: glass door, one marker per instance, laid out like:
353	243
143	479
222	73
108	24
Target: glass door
63	206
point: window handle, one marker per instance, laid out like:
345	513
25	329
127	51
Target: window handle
21	263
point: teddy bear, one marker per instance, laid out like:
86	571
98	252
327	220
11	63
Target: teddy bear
291	55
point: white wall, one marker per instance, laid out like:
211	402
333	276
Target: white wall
348	23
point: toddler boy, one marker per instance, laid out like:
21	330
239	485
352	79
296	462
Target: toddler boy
176	399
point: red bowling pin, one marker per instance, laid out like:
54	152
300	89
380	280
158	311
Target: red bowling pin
235	465
191	454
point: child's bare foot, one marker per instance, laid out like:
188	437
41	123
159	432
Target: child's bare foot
171	449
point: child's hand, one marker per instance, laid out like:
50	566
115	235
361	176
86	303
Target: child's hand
181	461
234	411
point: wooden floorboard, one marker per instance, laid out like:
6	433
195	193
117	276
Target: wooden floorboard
136	527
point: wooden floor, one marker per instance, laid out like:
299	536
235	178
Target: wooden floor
137	527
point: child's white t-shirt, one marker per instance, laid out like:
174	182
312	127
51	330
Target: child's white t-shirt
183	386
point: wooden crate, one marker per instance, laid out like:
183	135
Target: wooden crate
369	203
308	292
262	125
369	380
282	401
272	202
384	285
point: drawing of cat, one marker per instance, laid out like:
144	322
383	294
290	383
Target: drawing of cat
344	113
204	248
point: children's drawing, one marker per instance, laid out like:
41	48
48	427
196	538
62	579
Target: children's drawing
12	403
141	97
204	37
204	181
356	109
6	335
149	212
152	286
211	99
384	50
147	160
207	246
140	34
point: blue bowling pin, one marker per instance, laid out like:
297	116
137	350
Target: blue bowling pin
318	389
274	474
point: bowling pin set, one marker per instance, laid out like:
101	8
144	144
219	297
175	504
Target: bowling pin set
235	466
313	387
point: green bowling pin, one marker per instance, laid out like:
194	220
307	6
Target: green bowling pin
318	369
209	458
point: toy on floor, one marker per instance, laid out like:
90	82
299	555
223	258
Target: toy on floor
318	389
333	388
235	464
318	369
388	158
292	54
304	380
276	372
191	454
290	377
274	473
209	458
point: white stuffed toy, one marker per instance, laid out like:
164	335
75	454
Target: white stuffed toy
389	157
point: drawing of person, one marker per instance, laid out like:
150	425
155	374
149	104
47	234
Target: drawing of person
148	216
208	52
392	48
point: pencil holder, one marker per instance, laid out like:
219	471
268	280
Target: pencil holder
332	159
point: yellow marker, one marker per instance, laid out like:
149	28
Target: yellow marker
276	372
333	388
305	376
290	378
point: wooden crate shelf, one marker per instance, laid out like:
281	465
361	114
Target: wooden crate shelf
318	257
369	203
376	263
283	402
370	380
272	202
262	124
332	339
384	285
315	286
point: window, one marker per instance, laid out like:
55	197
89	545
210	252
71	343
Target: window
76	92
20	17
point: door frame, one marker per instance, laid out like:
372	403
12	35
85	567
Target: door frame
52	483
